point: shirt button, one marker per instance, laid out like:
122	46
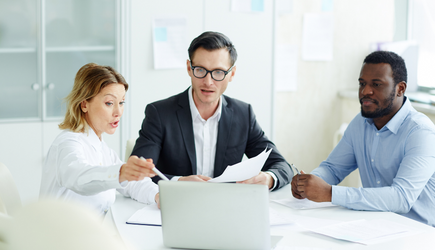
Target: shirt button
379	182
373	160
377	134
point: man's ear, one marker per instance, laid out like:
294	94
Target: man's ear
401	88
189	69
232	73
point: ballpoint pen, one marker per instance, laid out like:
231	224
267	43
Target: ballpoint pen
297	170
158	172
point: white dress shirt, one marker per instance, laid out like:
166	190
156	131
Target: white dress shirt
205	133
82	168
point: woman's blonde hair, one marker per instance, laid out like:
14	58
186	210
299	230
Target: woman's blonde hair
89	81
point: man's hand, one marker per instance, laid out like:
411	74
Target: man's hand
194	178
262	178
136	169
311	187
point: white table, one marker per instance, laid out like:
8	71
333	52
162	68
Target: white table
150	237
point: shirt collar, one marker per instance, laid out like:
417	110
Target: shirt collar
394	123
194	110
93	139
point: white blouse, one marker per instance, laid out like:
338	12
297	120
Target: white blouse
82	168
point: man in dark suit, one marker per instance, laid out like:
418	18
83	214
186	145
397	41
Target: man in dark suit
196	134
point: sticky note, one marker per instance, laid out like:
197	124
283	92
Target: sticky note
257	5
327	5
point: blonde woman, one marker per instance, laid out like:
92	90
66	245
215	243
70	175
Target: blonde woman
79	165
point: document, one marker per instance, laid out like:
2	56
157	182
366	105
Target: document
317	37
286	67
303	204
364	231
276	218
170	42
244	170
148	215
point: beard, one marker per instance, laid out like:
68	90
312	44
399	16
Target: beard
380	112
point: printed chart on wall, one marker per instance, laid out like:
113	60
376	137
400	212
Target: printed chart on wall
170	42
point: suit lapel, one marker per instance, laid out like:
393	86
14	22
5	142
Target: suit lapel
185	121
224	129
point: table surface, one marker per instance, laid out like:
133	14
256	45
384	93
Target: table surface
150	237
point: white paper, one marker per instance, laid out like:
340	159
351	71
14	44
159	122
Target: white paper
247	5
276	218
365	232
299	248
317	37
243	170
286	67
170	42
303	203
148	215
284	6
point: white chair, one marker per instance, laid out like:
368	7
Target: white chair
129	148
57	224
8	191
5	224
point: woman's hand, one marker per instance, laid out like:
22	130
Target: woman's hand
136	169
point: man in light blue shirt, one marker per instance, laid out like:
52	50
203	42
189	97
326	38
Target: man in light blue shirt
391	144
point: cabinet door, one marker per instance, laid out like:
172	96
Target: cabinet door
76	32
18	61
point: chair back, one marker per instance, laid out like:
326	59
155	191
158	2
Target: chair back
8	191
129	148
59	224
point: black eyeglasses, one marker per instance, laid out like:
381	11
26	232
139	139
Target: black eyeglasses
217	74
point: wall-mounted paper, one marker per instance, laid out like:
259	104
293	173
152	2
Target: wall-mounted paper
247	5
170	42
284	6
317	37
286	67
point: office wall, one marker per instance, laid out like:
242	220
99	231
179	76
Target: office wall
305	120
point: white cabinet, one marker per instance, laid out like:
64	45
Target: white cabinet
43	43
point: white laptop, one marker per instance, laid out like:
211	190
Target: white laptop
200	215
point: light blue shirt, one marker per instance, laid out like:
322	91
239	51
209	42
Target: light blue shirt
396	164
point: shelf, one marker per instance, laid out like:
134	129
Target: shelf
17	50
84	48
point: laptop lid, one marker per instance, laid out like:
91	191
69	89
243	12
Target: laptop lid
214	215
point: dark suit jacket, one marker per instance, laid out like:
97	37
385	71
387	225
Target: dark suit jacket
167	137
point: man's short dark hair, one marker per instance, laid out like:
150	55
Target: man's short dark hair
396	62
211	40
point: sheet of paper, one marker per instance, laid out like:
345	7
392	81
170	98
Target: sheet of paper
286	67
148	215
317	36
284	6
364	231
299	248
247	5
244	170
303	204
276	218
170	42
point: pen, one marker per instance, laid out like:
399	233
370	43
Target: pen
297	170
158	172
